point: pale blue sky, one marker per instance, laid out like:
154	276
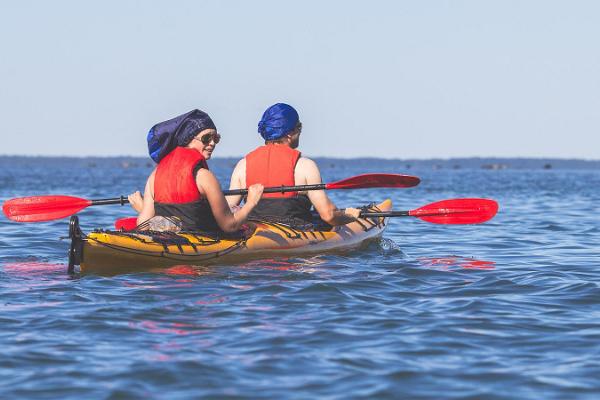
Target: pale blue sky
397	79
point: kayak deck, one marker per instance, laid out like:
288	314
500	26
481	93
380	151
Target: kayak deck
105	251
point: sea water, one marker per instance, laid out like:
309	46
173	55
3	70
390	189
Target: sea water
505	309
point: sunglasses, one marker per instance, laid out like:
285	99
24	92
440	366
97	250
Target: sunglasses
207	138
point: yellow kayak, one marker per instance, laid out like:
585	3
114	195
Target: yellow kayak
106	251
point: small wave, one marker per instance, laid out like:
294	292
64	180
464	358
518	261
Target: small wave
388	248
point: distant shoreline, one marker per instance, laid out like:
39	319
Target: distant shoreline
438	159
492	163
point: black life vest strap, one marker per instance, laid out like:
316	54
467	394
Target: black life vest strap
194	216
293	208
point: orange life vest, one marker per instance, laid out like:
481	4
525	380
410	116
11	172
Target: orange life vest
176	192
274	165
175	179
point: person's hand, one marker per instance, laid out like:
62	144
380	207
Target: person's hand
254	193
136	200
352	212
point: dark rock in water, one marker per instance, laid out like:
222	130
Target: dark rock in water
494	166
547	166
129	164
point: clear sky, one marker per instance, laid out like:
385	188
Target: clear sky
399	79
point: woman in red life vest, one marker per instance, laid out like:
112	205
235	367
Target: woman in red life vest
181	187
278	163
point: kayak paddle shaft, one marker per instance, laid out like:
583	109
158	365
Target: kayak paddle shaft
118	200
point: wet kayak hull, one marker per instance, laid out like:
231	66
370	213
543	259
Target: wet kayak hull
104	251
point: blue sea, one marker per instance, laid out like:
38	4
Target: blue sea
508	309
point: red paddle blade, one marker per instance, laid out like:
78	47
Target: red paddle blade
366	181
126	224
457	211
43	208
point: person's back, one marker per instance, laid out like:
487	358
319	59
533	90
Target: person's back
278	163
290	206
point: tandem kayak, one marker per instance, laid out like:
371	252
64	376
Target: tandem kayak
111	251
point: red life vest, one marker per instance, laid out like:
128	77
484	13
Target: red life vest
175	179
272	165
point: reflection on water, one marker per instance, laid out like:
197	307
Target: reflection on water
30	269
189	270
452	262
170	328
272	264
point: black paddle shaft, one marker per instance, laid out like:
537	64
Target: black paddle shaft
384	214
118	200
280	189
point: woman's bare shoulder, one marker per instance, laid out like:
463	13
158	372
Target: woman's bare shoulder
204	173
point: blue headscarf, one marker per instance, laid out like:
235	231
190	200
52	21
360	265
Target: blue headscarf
277	121
179	131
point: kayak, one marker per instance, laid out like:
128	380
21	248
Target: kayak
116	251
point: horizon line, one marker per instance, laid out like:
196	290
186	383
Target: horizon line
328	157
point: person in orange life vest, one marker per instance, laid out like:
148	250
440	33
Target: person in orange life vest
279	163
181	185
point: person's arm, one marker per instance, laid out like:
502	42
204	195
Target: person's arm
227	221
237	182
147	210
327	210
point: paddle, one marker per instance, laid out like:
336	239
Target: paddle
364	181
453	211
47	208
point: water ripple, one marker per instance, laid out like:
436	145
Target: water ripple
430	311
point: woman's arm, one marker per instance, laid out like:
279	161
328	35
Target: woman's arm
227	221
147	211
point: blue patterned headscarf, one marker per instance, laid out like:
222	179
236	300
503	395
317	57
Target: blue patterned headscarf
277	121
179	131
